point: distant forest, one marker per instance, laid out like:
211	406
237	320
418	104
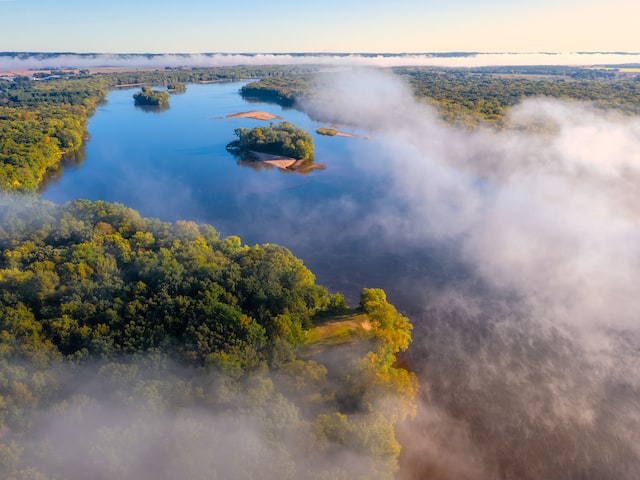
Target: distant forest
473	97
42	120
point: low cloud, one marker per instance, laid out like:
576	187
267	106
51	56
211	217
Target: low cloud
25	61
531	352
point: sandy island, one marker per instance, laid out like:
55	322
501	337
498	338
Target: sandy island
284	163
255	114
333	131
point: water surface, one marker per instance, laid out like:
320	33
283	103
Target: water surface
173	165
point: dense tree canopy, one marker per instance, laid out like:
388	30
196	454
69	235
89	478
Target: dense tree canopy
181	336
148	96
282	139
176	87
284	90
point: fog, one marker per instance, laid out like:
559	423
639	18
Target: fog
528	362
153	419
28	61
526	340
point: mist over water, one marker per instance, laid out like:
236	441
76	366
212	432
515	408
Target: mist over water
516	254
529	364
26	61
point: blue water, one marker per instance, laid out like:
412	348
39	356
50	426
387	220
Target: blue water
173	165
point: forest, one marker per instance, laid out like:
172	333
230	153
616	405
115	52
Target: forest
148	96
282	139
480	96
171	323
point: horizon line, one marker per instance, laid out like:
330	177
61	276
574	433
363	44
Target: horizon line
249	53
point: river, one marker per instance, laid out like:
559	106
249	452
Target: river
505	394
173	164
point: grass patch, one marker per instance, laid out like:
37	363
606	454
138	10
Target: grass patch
340	330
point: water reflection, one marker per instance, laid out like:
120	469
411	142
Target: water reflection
70	160
153	108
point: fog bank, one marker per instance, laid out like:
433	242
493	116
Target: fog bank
32	61
528	360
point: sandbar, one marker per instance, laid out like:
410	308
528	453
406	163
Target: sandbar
333	131
284	163
256	115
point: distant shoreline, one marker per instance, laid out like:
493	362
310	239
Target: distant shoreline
21	61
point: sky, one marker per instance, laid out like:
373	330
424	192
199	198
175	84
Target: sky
197	26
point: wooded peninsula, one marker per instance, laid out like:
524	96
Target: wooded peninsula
171	318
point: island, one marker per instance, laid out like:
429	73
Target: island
333	132
176	87
283	139
284	145
149	97
327	131
256	115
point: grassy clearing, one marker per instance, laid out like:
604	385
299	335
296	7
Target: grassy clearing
344	329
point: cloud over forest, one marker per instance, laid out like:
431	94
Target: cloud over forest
27	61
532	360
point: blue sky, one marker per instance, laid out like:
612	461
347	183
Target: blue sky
192	26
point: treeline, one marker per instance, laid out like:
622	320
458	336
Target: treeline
176	87
277	139
472	97
122	334
195	75
42	120
284	90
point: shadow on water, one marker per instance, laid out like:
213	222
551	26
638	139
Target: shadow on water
70	160
153	108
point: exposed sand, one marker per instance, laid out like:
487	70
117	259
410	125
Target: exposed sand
284	163
340	133
275	160
280	163
255	114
